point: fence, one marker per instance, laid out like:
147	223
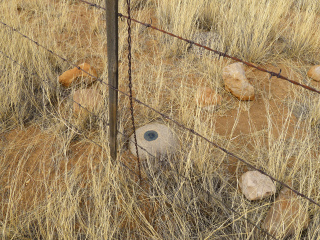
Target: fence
133	99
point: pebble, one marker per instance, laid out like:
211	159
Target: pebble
236	82
314	73
74	75
254	185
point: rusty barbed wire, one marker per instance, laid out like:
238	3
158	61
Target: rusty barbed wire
224	54
167	117
130	84
221	54
66	122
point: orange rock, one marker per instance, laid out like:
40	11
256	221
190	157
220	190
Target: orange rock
314	73
74	74
236	82
286	216
207	97
91	99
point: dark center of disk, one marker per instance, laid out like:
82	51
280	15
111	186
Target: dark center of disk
150	135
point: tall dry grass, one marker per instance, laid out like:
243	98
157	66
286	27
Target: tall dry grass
57	183
258	31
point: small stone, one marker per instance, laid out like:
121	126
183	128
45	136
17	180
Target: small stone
314	73
207	98
90	99
236	82
74	75
157	139
286	216
254	185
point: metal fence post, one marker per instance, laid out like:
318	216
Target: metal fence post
112	48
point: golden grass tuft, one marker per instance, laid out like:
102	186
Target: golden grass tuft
57	180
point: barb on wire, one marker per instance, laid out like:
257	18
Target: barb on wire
149	24
275	74
223	54
190	45
92	4
174	121
142	148
130	85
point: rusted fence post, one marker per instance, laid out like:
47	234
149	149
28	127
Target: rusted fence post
112	48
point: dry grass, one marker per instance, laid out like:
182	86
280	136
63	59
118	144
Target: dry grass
58	184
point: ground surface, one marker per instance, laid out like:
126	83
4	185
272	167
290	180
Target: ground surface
273	132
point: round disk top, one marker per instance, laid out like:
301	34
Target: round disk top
150	135
156	138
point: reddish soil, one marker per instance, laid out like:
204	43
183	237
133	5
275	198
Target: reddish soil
29	153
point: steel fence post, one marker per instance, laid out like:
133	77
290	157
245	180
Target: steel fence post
112	53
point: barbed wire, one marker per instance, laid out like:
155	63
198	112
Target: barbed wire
79	132
221	54
169	118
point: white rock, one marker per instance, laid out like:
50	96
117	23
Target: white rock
236	82
286	216
254	185
156	138
314	73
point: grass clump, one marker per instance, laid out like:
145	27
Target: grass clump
57	178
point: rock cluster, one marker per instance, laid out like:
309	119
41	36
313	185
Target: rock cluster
85	100
286	216
235	82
